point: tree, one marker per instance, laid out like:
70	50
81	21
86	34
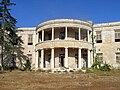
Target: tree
9	40
93	44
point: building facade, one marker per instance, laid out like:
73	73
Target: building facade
108	43
67	43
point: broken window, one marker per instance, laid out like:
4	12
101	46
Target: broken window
117	35
118	57
98	37
30	39
84	36
76	36
29	57
40	36
100	57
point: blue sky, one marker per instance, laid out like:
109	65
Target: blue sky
30	13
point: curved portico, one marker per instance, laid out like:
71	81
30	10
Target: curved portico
63	43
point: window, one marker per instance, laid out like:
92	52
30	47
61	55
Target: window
76	59
40	36
117	35
29	57
76	36
49	36
62	35
100	57
118	57
84	35
98	37
30	39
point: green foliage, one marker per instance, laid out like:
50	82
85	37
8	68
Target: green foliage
9	40
27	65
96	64
99	66
105	67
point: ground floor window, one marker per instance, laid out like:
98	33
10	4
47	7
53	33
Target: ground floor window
118	57
76	59
29	57
100	57
61	60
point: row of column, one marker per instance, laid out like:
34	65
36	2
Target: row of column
66	34
66	58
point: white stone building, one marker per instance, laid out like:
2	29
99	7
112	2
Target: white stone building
108	42
67	43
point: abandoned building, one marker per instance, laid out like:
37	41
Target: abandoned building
68	43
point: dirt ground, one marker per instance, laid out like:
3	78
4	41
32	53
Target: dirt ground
19	80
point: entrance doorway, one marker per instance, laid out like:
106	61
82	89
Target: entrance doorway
61	60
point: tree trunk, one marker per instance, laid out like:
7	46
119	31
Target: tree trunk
2	65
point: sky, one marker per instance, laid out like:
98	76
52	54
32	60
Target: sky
30	13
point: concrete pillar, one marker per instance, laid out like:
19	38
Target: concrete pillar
79	59
66	57
33	63
91	57
42	58
79	34
52	58
36	61
89	65
52	33
42	35
66	33
88	35
37	37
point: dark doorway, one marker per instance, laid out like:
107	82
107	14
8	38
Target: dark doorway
61	60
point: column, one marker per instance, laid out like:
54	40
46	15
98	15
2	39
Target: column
33	64
37	35
52	33
65	33
79	34
42	58
66	57
36	61
89	65
91	57
52	58
42	35
88	35
79	59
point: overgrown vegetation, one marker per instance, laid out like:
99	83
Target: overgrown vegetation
27	65
10	42
100	66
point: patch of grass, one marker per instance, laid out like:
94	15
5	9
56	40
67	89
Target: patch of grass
26	80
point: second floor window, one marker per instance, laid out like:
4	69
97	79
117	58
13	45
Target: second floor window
84	36
117	35
62	35
76	36
30	39
98	37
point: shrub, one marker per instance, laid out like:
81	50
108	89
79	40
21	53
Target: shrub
27	65
105	67
96	64
99	66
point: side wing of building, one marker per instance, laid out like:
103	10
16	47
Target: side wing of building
108	43
28	35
